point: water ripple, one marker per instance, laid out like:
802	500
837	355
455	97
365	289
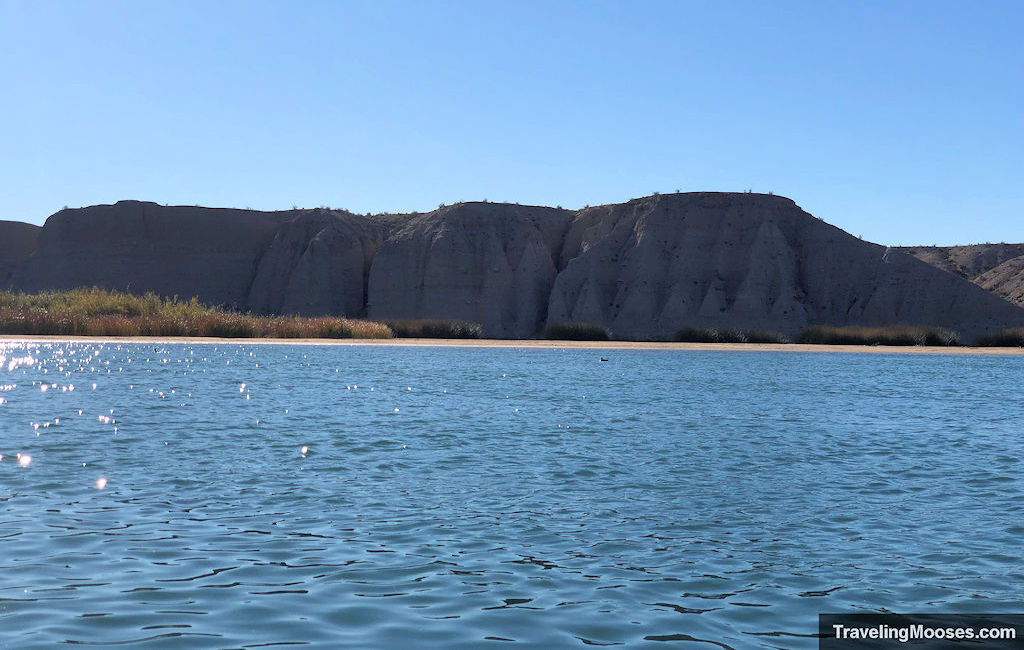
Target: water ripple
259	496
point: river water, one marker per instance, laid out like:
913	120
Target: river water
229	496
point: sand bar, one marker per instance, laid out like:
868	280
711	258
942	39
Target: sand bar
499	343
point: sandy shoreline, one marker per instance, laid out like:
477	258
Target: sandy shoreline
497	343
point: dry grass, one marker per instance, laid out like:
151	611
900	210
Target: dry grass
575	332
891	335
710	335
423	328
1011	338
95	312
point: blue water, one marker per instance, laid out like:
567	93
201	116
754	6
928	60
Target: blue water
455	497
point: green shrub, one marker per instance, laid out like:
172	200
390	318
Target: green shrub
575	332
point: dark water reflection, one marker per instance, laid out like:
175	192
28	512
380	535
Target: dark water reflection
470	497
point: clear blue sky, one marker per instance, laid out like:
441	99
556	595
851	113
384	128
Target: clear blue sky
899	121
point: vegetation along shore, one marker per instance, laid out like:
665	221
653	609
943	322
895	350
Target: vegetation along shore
99	313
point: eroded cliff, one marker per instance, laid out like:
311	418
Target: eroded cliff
138	247
644	269
654	265
488	263
318	263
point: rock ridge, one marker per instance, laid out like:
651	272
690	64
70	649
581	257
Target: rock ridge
998	268
644	268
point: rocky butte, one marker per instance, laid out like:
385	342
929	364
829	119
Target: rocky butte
644	269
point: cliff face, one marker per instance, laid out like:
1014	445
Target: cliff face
492	264
139	247
644	269
317	263
651	266
998	268
17	243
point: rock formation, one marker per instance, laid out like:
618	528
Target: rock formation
17	242
1006	280
644	269
138	247
491	264
652	266
317	263
998	268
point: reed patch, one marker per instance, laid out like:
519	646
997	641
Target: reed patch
1011	338
575	332
97	312
712	335
901	335
425	328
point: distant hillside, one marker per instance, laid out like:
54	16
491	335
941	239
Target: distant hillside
644	269
998	268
